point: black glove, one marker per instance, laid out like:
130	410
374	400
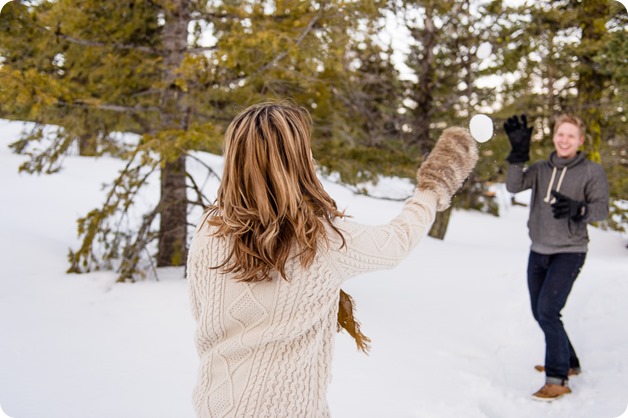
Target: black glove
566	207
519	136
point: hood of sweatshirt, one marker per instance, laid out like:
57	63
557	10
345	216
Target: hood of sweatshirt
556	161
561	164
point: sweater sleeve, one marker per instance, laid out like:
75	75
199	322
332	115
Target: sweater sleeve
596	195
519	179
198	262
370	248
194	276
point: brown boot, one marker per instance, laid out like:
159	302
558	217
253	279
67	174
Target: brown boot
549	392
573	371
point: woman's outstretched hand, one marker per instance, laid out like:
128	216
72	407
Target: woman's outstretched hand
448	165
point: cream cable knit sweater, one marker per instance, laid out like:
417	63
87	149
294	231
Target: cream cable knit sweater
265	348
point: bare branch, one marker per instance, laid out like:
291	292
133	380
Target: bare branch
153	267
211	170
196	203
359	192
199	194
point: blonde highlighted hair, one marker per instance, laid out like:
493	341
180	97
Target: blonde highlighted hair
567	118
270	199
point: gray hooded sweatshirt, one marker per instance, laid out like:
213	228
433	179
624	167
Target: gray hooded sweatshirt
577	178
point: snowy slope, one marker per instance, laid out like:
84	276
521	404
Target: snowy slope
451	328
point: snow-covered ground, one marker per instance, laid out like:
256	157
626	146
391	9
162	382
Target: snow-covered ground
451	328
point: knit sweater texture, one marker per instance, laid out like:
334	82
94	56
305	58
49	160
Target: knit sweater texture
265	348
577	178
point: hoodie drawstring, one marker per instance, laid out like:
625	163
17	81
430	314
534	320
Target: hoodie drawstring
551	182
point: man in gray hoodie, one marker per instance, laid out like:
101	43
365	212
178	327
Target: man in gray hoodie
568	191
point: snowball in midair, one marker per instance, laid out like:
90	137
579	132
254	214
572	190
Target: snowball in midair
481	127
484	50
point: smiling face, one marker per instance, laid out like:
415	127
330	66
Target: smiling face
567	139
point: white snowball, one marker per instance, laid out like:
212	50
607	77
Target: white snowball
484	50
481	127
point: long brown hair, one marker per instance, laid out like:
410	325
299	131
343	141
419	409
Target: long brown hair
270	199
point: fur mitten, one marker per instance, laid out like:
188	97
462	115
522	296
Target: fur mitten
448	165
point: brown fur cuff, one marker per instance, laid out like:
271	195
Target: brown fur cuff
448	165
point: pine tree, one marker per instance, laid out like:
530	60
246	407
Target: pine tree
569	57
360	127
446	36
97	67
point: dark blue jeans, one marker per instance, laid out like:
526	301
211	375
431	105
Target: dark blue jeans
550	279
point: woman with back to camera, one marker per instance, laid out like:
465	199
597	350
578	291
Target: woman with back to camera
268	259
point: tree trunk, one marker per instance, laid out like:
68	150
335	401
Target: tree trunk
591	82
551	96
88	145
173	221
439	228
424	100
172	248
423	96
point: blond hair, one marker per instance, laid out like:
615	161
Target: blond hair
567	118
270	199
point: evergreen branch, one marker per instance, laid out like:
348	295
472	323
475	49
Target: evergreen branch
85	42
92	224
78	41
298	43
282	54
132	190
147	92
210	117
199	49
98	225
49	160
209	16
146	127
132	253
114	108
